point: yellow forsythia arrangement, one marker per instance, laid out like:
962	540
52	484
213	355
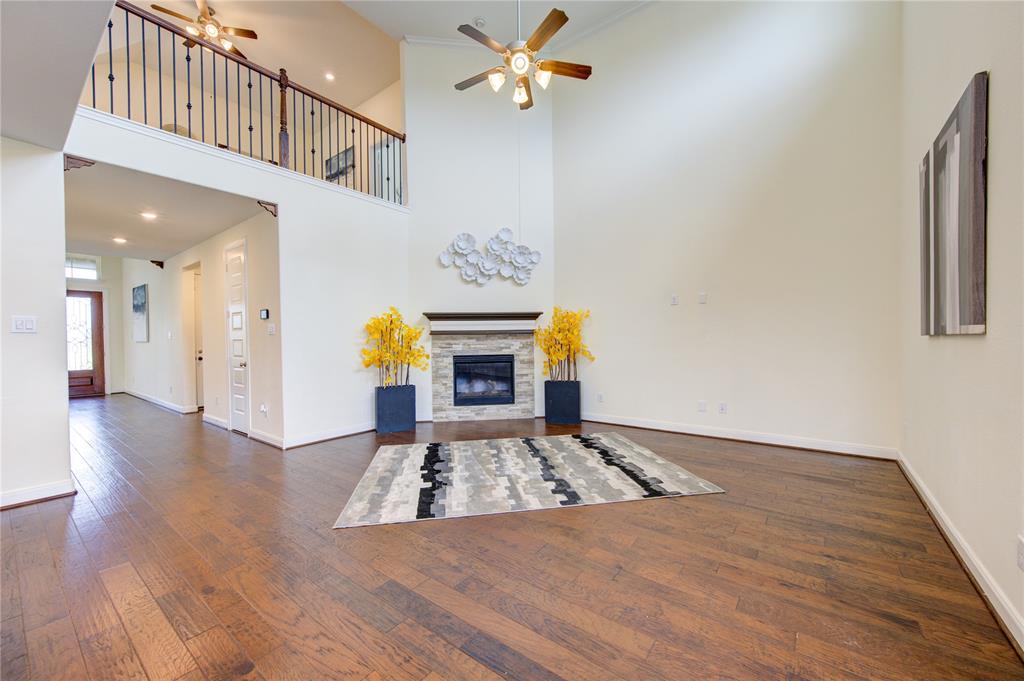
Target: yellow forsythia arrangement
393	347
562	343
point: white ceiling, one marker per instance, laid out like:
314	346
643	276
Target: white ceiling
102	202
308	39
433	19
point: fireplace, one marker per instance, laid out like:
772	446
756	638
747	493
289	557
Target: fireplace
484	379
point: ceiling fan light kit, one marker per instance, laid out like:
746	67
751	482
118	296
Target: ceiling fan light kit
208	29
519	56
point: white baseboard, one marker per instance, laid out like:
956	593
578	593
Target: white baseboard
874	451
328	435
179	408
215	421
267	438
1008	613
24	495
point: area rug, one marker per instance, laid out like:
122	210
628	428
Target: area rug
405	483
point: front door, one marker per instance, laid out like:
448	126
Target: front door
85	343
238	345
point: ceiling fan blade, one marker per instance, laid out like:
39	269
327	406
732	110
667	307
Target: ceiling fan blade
555	20
529	94
478	78
239	32
482	38
204	10
158	8
235	51
565	68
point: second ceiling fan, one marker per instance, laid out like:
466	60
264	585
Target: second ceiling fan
520	55
206	27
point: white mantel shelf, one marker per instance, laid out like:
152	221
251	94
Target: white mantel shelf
481	323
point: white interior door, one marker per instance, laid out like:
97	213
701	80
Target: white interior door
238	341
198	327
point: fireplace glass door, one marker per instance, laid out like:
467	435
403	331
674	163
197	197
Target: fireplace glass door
484	379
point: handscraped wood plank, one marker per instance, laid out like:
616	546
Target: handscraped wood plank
163	654
54	654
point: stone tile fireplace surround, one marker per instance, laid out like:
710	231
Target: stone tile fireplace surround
481	333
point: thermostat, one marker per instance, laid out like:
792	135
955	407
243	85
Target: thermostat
264	314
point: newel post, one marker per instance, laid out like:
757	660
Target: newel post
283	134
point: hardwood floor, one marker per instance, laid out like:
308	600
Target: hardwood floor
192	553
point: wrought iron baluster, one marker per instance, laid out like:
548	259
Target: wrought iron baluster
344	153
145	97
305	154
322	138
238	102
174	81
202	93
93	76
295	129
312	134
262	156
227	106
159	78
330	140
250	110
213	77
110	60
128	63
188	87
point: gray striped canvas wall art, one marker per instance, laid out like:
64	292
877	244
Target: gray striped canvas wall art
405	483
952	205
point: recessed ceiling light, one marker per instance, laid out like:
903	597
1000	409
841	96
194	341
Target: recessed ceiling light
119	240
148	216
329	76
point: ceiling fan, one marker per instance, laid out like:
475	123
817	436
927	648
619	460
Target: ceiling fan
520	55
206	28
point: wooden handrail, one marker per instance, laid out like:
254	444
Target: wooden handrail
352	114
173	28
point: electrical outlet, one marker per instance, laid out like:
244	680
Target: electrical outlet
723	408
702	406
1020	551
675	299
702	298
600	397
263	410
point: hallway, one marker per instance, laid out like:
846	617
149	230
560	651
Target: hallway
191	552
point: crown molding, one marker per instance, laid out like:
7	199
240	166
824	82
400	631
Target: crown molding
441	42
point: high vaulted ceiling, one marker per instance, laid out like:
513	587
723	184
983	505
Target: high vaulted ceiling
103	202
440	19
308	39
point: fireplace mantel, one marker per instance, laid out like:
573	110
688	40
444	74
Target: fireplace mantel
482	323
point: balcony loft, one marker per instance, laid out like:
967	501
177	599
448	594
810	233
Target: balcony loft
151	71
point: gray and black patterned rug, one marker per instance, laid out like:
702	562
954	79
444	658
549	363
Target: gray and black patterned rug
405	483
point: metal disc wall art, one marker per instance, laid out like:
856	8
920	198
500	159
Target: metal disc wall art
501	257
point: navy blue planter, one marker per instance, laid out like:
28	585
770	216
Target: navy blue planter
562	402
396	408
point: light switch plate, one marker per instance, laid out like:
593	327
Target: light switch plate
23	324
702	298
271	329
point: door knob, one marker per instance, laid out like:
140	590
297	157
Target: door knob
199	358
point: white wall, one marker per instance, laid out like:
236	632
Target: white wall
476	164
342	258
109	284
387	107
962	396
34	453
748	151
163	370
